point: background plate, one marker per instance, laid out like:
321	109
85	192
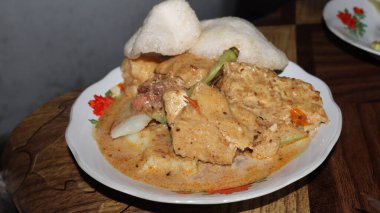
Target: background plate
372	20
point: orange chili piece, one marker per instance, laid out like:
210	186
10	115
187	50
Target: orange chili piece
298	117
99	104
229	190
121	86
193	103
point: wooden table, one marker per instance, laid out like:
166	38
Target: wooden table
42	175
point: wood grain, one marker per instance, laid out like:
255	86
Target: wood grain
309	11
283	37
354	78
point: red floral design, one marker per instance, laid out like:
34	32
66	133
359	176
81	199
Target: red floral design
99	104
354	21
347	19
358	10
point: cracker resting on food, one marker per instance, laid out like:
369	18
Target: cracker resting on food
222	33
171	28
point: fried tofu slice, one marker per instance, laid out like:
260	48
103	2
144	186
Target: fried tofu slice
263	101
208	131
137	71
188	67
155	162
214	106
270	96
174	102
194	137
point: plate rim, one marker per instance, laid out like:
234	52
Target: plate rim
208	199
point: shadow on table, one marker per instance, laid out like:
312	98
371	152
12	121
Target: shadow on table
6	205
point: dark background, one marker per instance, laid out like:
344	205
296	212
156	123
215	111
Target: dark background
50	47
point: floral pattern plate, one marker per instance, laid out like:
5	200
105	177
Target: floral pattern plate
88	156
355	21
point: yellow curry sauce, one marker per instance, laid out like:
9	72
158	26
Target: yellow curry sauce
148	157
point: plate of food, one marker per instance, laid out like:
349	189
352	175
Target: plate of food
202	112
357	22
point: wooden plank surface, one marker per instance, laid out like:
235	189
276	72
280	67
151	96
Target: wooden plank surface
353	169
283	37
309	11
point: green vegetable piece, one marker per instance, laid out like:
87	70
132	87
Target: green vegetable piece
109	93
292	136
229	55
375	45
93	121
160	118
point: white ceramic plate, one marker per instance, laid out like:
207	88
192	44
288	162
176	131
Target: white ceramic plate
370	17
88	156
